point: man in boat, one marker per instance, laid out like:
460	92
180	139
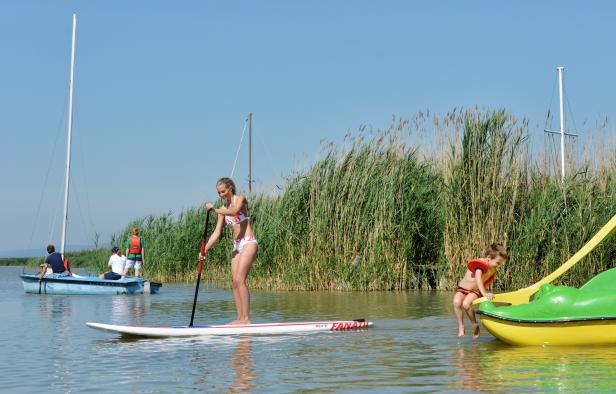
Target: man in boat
116	262
55	261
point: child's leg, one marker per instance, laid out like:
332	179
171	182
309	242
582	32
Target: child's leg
467	304
457	308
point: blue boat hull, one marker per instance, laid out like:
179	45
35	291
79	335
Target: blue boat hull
54	284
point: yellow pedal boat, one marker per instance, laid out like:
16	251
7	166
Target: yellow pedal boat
558	315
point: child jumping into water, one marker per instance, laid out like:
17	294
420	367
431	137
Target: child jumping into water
479	275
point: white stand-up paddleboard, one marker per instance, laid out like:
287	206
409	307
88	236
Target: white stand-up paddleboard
266	328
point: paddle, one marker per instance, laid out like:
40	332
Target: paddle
522	296
200	266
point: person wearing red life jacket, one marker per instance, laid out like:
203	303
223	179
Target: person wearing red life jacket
135	252
479	274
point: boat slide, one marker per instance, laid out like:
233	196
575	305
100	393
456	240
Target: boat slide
523	296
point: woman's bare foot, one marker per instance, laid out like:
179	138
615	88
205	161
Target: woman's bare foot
475	330
460	331
238	323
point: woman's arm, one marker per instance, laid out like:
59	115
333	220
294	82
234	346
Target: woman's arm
216	233
233	208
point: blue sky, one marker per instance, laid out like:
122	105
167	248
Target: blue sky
162	89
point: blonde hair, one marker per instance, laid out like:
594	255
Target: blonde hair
135	230
228	182
494	250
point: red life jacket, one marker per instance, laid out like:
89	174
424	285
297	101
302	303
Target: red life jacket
477	264
135	245
67	267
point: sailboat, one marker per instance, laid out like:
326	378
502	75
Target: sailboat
74	284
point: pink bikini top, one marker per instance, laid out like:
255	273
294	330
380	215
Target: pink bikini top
237	218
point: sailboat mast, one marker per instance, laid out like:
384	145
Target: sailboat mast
562	123
250	153
562	131
68	143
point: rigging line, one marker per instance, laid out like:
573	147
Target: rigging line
238	149
51	159
571	113
83	173
549	116
552	155
81	215
268	154
55	217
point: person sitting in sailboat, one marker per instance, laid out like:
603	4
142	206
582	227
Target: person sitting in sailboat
117	263
58	265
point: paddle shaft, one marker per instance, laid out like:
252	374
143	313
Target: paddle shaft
200	266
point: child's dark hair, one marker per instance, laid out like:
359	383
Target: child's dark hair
494	250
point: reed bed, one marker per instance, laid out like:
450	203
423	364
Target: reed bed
405	207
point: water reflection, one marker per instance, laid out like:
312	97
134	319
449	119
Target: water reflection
128	309
561	369
241	363
56	309
238	372
467	368
56	319
412	348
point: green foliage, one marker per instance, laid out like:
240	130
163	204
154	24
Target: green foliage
405	208
8	261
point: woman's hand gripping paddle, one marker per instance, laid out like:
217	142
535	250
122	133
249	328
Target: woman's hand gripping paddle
200	266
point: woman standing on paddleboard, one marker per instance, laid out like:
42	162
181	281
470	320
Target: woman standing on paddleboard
234	212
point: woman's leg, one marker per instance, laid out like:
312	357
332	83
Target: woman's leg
240	266
235	261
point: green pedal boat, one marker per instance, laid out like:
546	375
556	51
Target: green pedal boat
558	315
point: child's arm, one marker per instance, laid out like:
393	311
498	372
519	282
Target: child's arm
480	286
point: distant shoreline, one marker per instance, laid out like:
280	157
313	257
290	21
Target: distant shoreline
14	261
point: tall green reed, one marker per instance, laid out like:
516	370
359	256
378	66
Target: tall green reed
483	173
405	207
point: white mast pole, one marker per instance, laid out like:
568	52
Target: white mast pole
562	131
68	143
250	153
562	122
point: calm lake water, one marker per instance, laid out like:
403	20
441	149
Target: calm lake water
46	347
